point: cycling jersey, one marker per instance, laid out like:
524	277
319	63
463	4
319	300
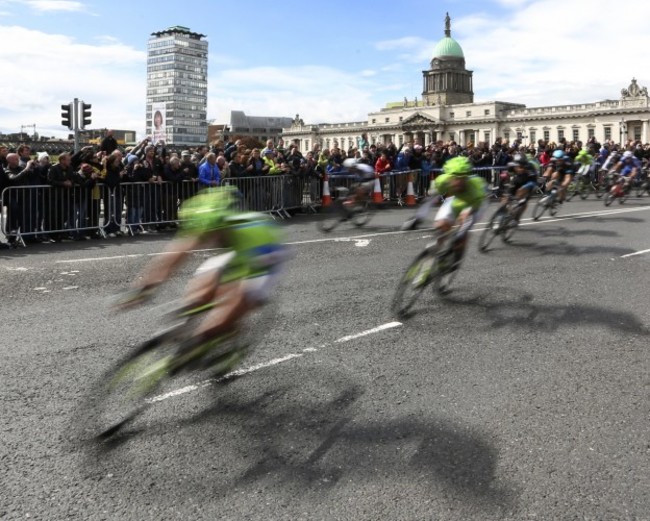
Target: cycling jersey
629	164
565	168
471	197
252	237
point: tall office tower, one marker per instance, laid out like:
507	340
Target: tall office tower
177	87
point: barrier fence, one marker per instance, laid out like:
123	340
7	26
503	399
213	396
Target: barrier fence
44	211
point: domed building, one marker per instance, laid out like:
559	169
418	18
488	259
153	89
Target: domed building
446	111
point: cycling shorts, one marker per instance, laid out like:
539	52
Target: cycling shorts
448	213
257	288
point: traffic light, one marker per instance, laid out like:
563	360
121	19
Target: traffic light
85	115
67	113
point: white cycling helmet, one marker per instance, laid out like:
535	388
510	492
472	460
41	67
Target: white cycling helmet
627	154
354	164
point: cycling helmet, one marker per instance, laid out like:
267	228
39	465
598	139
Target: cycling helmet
457	166
520	159
354	164
558	154
208	211
627	154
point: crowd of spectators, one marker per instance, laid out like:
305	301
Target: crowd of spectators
146	182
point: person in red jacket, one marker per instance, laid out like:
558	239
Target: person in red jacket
383	165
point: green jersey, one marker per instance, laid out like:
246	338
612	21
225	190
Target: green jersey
472	197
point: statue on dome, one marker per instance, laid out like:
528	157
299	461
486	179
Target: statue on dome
447	26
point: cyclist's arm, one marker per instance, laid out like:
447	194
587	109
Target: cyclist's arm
161	268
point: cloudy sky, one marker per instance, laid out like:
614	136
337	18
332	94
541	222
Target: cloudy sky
328	61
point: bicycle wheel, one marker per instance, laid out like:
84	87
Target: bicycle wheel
541	207
362	213
121	393
333	215
583	189
609	198
641	189
508	228
493	229
572	190
413	282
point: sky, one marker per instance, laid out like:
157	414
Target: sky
330	61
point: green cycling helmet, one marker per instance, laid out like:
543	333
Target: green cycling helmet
208	211
457	166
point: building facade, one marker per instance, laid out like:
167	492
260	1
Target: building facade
446	111
260	128
177	87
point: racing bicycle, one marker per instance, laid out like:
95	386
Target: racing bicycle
548	202
348	206
434	266
503	222
130	386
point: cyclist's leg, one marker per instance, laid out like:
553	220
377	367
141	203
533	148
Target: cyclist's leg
566	181
522	196
202	288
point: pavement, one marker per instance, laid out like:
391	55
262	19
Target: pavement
524	394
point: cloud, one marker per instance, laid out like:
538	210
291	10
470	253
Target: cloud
317	93
551	52
49	6
41	71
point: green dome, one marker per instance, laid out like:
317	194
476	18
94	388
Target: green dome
448	47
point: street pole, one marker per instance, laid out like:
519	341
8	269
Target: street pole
75	119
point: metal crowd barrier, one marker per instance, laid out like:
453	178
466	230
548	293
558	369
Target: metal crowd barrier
51	212
56	212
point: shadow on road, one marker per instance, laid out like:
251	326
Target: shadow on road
276	440
523	313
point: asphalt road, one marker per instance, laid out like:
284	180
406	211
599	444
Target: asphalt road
522	395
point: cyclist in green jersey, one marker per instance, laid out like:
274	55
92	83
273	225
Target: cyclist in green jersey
241	280
464	198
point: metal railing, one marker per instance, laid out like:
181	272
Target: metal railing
57	212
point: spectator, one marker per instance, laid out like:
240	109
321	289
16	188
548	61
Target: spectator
84	180
362	142
256	165
223	167
60	203
113	194
209	174
237	167
108	144
269	146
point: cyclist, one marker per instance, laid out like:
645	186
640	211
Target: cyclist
464	194
366	175
559	169
523	181
241	280
628	167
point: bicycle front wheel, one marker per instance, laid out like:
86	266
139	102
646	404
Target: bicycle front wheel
417	277
541	207
333	215
122	392
493	229
362	213
508	229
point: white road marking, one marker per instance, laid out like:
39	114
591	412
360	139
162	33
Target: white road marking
263	365
635	253
238	372
17	269
362	243
40	289
70	287
369	331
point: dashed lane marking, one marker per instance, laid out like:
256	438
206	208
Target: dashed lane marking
264	365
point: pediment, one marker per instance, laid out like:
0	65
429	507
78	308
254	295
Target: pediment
418	119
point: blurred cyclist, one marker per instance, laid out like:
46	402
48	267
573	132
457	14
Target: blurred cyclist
464	195
241	279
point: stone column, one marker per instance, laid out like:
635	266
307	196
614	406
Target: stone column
644	131
461	138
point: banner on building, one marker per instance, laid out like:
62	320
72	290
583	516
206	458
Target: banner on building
159	120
